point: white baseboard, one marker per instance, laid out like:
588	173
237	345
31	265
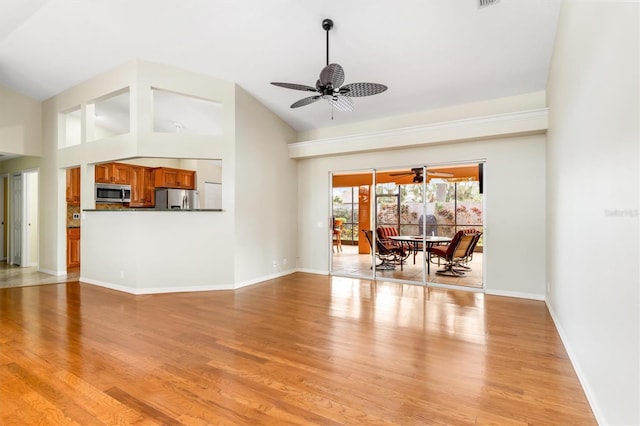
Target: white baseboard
264	278
52	272
519	295
185	289
156	290
597	412
313	271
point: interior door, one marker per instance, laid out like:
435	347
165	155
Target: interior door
16	219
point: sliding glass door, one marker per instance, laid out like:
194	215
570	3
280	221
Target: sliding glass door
409	215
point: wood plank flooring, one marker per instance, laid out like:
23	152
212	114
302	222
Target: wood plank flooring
302	349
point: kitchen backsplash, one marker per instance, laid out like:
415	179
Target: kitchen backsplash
71	222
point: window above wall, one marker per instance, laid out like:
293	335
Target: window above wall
179	113
109	115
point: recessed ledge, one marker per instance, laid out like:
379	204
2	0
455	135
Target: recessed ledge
520	123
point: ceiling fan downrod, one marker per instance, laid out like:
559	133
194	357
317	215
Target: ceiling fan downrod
327	24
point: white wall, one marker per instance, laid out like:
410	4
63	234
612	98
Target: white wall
266	184
592	201
514	205
20	123
156	251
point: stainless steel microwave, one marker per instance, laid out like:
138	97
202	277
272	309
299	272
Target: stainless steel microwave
110	193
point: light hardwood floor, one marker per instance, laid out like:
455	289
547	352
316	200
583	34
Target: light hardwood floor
302	349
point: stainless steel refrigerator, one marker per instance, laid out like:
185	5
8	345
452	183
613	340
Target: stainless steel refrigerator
179	199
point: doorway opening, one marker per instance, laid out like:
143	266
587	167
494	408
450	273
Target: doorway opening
22	218
416	212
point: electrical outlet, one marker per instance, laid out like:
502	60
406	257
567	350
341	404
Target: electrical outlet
284	261
275	264
121	274
76	216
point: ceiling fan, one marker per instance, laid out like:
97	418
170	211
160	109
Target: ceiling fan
329	86
417	172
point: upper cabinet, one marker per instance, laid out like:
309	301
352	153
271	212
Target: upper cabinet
142	190
113	173
73	186
165	177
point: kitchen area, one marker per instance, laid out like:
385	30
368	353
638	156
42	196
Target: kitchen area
141	185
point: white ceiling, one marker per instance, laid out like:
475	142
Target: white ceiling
430	53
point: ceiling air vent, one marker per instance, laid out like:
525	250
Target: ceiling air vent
485	3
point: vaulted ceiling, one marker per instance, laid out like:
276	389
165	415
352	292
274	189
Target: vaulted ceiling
430	53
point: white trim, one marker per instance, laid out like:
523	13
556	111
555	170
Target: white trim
453	287
313	271
516	294
259	280
188	289
52	272
156	290
500	125
597	412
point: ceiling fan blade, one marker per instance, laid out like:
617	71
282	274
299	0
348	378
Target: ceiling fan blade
295	86
439	174
341	103
305	101
362	89
401	174
332	74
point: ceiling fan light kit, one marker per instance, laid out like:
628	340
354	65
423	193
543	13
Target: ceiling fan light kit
330	85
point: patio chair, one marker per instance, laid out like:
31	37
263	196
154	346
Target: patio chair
453	253
390	255
462	264
386	231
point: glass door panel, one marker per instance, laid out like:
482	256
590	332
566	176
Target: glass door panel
399	206
350	214
455	203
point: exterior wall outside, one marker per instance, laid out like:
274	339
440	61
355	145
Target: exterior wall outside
592	198
514	205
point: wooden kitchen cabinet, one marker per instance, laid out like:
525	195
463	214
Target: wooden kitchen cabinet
165	177
73	186
142	189
113	173
73	248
